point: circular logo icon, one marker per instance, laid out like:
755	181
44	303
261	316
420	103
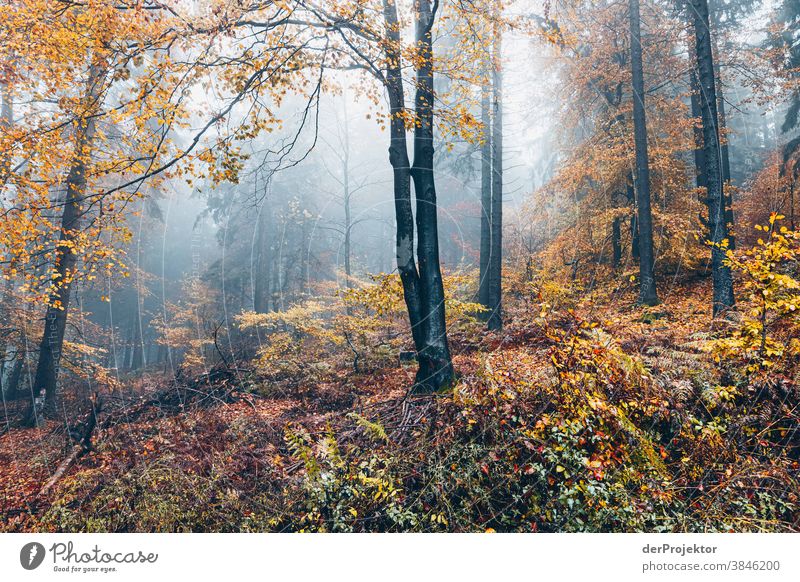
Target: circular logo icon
31	555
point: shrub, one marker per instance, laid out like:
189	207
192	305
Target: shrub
771	290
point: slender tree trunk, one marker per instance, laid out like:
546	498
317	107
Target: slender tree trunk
348	221
305	255
616	242
348	269
726	165
398	158
55	322
278	270
15	383
486	190
137	347
724	146
435	364
348	227
15	377
647	283
6	123
723	281
496	256
697	114
262	284
634	223
725	159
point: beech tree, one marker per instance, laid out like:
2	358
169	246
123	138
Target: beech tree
425	295
51	345
486	185
495	271
647	281
723	298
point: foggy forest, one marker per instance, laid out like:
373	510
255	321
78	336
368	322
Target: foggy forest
399	265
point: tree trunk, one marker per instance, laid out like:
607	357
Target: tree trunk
398	158
486	191
138	360
348	219
717	224
263	266
647	283
616	242
52	341
348	227
12	390
697	114
348	269
726	170
727	192
435	365
634	224
6	124
496	255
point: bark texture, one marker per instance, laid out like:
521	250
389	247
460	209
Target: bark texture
723	298
435	365
647	281
496	257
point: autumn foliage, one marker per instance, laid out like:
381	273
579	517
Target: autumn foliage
267	389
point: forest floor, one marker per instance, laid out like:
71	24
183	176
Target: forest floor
212	452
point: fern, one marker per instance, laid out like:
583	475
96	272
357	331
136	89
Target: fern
299	444
373	429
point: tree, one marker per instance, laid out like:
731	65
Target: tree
378	48
647	281
496	255
725	16
435	364
491	108
723	298
52	341
697	130
486	186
